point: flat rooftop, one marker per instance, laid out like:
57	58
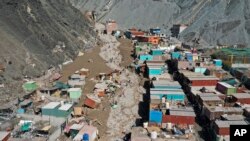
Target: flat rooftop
164	76
202	78
155	66
157	58
211	98
65	107
74	89
209	89
182	113
233	117
190	73
77	126
187	109
168	92
209	95
166	83
226	124
156	63
225	109
51	105
166	89
241	95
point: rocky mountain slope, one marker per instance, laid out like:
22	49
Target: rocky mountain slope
37	34
214	21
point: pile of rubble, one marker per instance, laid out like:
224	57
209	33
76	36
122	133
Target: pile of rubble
122	118
125	100
110	52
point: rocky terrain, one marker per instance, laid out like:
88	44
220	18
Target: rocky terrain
129	94
38	34
214	21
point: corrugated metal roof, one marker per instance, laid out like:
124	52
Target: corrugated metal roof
203	78
210	98
182	113
226	124
51	105
176	108
226	109
209	95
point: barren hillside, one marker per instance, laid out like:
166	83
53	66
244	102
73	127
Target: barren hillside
215	21
37	34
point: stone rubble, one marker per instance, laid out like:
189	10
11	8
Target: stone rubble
123	117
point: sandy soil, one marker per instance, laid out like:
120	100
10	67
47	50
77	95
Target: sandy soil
126	49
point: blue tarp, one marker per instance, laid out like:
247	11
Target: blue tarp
85	137
155	116
189	56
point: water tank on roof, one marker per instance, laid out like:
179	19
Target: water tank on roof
154	135
145	124
167	105
163	100
169	125
85	137
43	97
